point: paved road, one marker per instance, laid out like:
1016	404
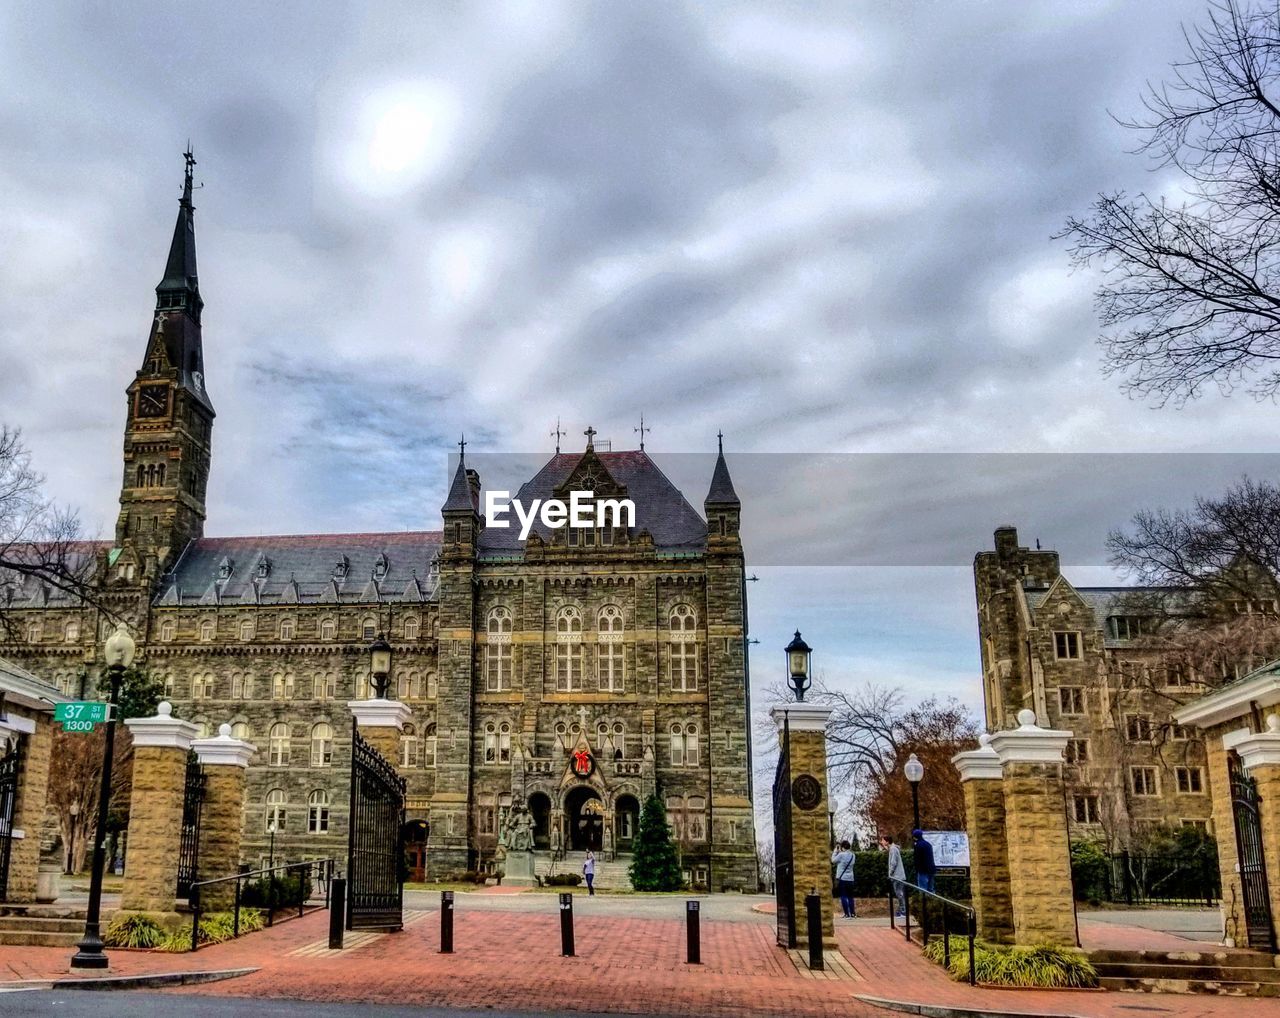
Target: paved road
1204	924
66	1004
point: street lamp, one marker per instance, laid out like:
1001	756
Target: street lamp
831	818
799	656
118	651
271	851
380	666
74	810
914	770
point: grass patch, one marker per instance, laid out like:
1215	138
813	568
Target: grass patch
1040	966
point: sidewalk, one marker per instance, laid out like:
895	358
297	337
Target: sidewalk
624	965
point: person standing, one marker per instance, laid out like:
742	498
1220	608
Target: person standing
843	858
589	871
897	872
926	870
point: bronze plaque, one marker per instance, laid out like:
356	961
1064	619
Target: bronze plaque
806	792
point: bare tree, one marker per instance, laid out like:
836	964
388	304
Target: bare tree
1190	294
39	541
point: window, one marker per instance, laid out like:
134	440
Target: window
684	745
246	630
1196	825
1178	733
411	628
409	685
1144	781
696	819
278	745
168	630
429	746
240	730
569	649
207	628
1071	699
328	629
610	649
682	625
1137	727
318	812
204	730
170	687
432	685
1128	627
497	743
282	686
202	687
626	826
34	632
321	745
1175	676
1066	646
325	687
1078	751
486	819
409	747
277	815
368	629
611	740
1086	810
287	629
732	827
1190	780
71	632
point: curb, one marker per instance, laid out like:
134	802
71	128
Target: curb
947	1011
130	982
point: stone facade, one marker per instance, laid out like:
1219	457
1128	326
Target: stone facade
1039	858
34	731
1071	655
982	780
628	642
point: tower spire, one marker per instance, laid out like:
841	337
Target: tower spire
180	287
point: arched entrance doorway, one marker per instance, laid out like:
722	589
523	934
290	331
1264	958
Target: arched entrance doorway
540	807
415	836
626	814
585	812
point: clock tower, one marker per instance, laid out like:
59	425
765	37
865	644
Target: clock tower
169	422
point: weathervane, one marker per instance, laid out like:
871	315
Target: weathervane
557	435
642	429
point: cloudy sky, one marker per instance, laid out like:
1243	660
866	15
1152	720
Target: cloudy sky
824	229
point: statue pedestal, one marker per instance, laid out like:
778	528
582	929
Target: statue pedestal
518	869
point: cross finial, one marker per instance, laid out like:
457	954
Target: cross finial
720	440
190	159
462	448
642	429
582	719
591	434
557	435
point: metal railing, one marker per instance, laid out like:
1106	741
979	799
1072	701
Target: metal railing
948	908
315	879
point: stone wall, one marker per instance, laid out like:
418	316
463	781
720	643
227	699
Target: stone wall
33	783
1038	855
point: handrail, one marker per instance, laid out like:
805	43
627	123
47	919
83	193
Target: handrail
970	916
327	868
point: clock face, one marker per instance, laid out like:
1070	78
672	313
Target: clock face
153	401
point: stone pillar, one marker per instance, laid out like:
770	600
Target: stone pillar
810	824
160	747
225	761
981	778
1035	817
1260	758
35	732
1218	742
380	723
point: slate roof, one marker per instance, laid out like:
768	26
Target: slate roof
661	508
1102	601
29	592
721	491
305	569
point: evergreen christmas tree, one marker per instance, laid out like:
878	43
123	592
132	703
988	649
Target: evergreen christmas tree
653	865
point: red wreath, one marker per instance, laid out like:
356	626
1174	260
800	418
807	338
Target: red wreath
582	763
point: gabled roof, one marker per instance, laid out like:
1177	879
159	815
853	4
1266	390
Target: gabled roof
1103	602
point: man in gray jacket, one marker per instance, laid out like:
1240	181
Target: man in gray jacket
897	872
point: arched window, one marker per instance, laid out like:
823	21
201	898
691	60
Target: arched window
497	742
411	627
202	687
71	632
248	686
287	628
368	628
328	629
142	476
34	632
207	629
277	814
321	745
609	649
204	729
433	686
240	730
569	649
160	474
325	687
409	747
684	745
498	650
278	745
282	686
409	685
168	630
246	630
237	686
682	626
429	746
318	812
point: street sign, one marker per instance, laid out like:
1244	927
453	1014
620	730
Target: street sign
82	710
77	726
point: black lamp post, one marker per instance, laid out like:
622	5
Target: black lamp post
380	666
74	810
119	651
914	770
271	849
799	657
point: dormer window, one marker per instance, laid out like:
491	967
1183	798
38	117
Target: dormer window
224	569
380	568
264	567
340	569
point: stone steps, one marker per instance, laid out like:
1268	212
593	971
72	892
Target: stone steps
41	925
1222	972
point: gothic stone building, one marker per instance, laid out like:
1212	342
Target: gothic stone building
1069	654
626	641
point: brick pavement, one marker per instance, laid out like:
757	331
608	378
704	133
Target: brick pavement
624	965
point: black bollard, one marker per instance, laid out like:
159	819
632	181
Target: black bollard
446	922
566	925
693	941
337	913
813	908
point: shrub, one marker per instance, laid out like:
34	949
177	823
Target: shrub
1041	966
215	928
133	931
283	892
1090	871
563	879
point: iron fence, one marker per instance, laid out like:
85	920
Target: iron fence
1186	881
278	889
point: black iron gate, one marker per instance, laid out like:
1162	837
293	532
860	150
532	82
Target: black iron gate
10	764
783	860
189	841
375	877
1253	870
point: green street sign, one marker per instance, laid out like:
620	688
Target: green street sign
83	710
77	726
